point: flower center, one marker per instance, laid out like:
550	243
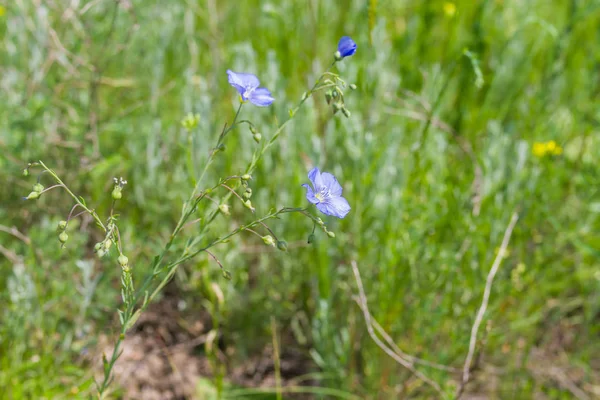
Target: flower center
247	93
323	194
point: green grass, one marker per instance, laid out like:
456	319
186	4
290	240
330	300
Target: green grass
102	94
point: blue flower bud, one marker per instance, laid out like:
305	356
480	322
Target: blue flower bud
32	196
346	48
282	245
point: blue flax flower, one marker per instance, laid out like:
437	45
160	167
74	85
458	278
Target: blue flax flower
346	47
247	86
326	193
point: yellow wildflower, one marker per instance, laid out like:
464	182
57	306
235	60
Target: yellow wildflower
449	9
539	149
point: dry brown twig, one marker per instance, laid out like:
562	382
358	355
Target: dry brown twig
399	358
484	302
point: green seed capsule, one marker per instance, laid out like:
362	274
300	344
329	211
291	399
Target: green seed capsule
63	237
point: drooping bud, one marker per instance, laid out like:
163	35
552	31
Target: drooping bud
32	196
248	205
26	172
330	234
123	260
268	240
62	225
328	96
252	129
246	177
311	238
257	137
107	244
282	245
224	208
247	193
346	112
337	107
352	86
63	237
38	187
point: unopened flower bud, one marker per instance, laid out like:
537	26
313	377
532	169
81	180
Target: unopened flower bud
352	86
224	208
330	234
311	238
116	193
220	147
123	260
32	196
101	253
328	96
248	193
269	241
336	107
107	244
246	177
248	205
63	237
252	129
346	112
62	225
304	96
98	246
338	56
38	187
257	137
282	245
26	172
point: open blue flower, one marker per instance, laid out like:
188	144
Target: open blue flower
346	47
247	86
326	193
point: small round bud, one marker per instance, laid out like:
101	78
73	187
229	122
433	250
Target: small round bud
352	86
101	253
246	177
38	187
248	193
268	240
346	112
107	244
63	237
226	274
282	245
224	208
337	107
62	225
338	56
257	137
220	147
328	96
248	205
252	129
330	234
98	246
123	260
116	193
32	196
320	221
26	172
311	238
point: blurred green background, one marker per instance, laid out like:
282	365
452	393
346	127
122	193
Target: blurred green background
441	148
